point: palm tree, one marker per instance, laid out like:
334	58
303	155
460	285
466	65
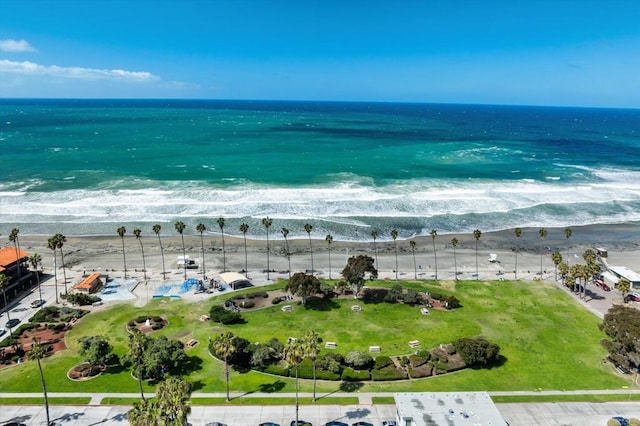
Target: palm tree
138	344
543	235
201	228
567	233
374	235
51	244
556	258
60	240
244	228
454	244
413	251
156	230
4	283
225	346
329	240
624	285
179	226
121	231
518	232
172	397
138	234
143	413
34	260
285	232
13	237
267	222
477	234
37	352
394	235
220	222
294	353
308	228
434	234
311	344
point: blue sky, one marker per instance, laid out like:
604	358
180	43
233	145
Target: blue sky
583	52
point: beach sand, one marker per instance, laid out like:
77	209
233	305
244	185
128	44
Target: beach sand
104	254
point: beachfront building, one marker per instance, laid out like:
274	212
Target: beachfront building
14	264
623	272
89	284
446	408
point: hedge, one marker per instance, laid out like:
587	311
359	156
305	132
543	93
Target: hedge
382	362
351	375
388	373
276	369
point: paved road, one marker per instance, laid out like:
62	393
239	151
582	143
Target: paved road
531	414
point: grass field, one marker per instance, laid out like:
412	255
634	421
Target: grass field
548	341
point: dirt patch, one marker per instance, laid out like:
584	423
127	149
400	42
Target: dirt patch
149	325
48	337
84	372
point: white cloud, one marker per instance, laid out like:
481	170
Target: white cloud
30	68
10	45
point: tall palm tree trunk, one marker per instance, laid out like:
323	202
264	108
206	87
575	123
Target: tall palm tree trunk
226	375
44	391
64	271
139	360
297	403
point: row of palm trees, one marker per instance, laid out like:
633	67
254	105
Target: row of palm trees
294	352
56	243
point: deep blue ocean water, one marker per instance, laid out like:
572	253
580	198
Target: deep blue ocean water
85	167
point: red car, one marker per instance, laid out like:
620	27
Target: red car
602	285
633	297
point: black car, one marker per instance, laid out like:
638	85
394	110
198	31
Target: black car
300	423
361	424
268	424
336	423
12	322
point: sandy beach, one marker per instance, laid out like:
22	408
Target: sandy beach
84	254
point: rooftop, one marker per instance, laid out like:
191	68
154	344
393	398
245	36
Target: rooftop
625	272
445	408
87	282
8	255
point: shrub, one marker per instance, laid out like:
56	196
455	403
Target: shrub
381	362
276	369
425	370
305	369
276	300
156	326
388	373
418	360
411	297
452	302
359	359
238	297
351	375
257	294
330	365
326	375
131	323
477	351
250	303
141	319
156	318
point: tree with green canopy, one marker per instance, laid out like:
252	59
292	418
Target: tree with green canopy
35	260
412	244
59	241
374	235
622	324
13	237
293	353
138	344
96	350
357	268
303	285
51	244
311	345
543	235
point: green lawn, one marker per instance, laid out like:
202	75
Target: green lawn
548	341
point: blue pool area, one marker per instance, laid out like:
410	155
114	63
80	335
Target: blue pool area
118	289
175	290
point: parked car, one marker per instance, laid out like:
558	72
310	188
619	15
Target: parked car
602	285
622	369
2	331
335	423
37	303
215	424
12	322
361	424
622	420
268	424
389	423
300	423
633	297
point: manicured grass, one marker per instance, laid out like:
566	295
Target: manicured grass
275	401
547	340
383	400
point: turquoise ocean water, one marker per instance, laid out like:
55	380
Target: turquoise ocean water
86	167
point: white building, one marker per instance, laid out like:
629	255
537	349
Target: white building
447	408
